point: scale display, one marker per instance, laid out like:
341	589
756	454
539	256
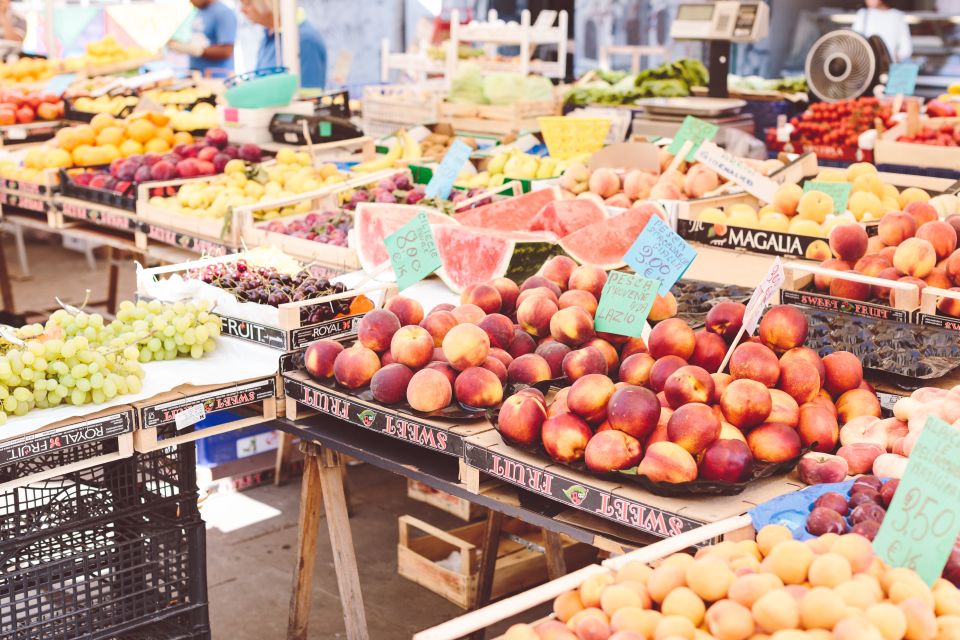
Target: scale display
722	20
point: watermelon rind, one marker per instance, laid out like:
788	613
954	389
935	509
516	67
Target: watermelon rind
486	217
605	243
388	218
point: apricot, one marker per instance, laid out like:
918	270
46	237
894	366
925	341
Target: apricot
683	602
592	628
856	628
889	620
829	570
520	631
747	589
663	580
582	362
776	610
674	627
855	595
786	199
789	560
376	329
856	549
592	588
947	600
821	609
617	596
710	578
921	622
634	571
407	310
567	604
642	621
437	324
429	390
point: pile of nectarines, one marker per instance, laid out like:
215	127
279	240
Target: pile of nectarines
829	588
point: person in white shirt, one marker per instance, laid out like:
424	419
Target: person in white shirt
890	24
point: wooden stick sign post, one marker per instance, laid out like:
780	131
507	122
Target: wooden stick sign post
413	253
758	302
923	521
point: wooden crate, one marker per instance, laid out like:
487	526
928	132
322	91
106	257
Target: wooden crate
929	315
519	566
156	417
889	150
460	507
498	119
100	215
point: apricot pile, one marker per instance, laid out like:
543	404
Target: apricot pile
775	588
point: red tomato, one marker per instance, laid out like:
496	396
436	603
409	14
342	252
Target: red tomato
25	114
7	116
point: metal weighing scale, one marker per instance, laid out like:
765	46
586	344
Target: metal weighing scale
720	24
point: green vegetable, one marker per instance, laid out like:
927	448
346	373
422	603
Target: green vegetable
672	79
466	86
503	88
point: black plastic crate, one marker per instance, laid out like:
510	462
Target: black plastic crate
193	624
126	200
145	571
72	114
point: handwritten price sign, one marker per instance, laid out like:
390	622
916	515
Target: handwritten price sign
839	191
761	296
902	79
625	303
923	520
695	131
446	174
413	253
660	254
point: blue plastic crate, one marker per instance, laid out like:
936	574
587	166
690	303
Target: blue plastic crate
222	447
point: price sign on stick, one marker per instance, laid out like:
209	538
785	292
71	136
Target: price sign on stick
692	132
413	253
625	303
59	83
755	306
923	520
446	174
735	171
660	254
902	79
839	191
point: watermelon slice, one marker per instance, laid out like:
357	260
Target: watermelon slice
563	217
374	221
472	256
512	214
604	243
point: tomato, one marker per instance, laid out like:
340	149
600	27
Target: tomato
25	114
7	116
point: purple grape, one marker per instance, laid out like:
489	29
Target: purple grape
402	182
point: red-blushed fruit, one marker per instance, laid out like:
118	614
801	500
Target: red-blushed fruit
662	369
534	315
558	270
538	292
949	306
437	356
521	419
800	380
915	257
663	307
783	327
868	529
725	319
818	428
407	310
709	350
688	384
872	265
832	500
499	354
466	345
559	403
529	369
860	456
887	490
389	384
578	298
589	396
572	326
693	426
478	387
508	291
867	511
772	442
582	362
632	346
534	282
821	468
412	346
822	521
805	354
922	212
523	343
429	390
565	436
319	357
633	410
354	367
720	383
485	296
609	353
635	369
848	242
756	362
612	450
850	289
938	278
588	277
438	323
665	461
843	372
671	337
823	282
376	329
895	227
855	403
746	403
784	409
553	353
499	329
726	461
445	369
825	401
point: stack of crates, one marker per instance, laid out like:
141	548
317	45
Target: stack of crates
117	550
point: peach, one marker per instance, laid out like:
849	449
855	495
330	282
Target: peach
850	289
895	227
508	291
874	245
672	337
665	190
952	267
708	351
829	570
609	353
937	278
520	631
822	282
412	346
484	296
800	380
922	212
389	384
688	384
747	589
588	277
783	327
529	368
589	396
887	252
407	310
772	442
818	251
814	205
683	602
376	329
559	404
429	390
582	362
501	355
720	383
915	257
667	462
746	403
921	621
468	313
848	242
612	450
818	426
521	419
535	282
783	408
663	307
604	182
725	319
635	369
860	456
632	346
578	298
637	184
699	180
572	326
693	426
842	372
565	436
443	306
941	235
662	369
857	402
466	345
633	410
949	306
499	330
805	354
884	293
444	368
553	353
437	324
756	362
787	198
534	315
319	357
558	269
354	367
871	265
726	460
635	620
523	343
478	387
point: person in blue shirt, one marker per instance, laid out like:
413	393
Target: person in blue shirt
211	43
313	51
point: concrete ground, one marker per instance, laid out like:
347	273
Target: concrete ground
250	566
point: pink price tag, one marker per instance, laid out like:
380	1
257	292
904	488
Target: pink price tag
230	114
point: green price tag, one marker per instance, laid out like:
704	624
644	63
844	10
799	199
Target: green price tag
326	129
923	520
695	131
625	303
413	253
839	191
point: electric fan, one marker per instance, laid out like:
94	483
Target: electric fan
843	64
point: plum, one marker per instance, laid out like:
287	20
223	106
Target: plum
217	138
833	500
866	482
127	170
250	152
232	151
822	520
163	170
868	529
866	495
189	168
143	174
887	491
220	161
150	159
867	511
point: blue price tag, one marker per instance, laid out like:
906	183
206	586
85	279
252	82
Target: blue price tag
660	254
58	84
444	176
902	79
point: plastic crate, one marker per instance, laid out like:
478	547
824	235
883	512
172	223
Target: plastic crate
126	200
222	447
182	626
147	567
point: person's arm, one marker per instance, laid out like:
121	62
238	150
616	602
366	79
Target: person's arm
860	21
218	52
225	36
313	65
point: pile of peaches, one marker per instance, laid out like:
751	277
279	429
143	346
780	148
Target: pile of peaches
501	333
832	587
